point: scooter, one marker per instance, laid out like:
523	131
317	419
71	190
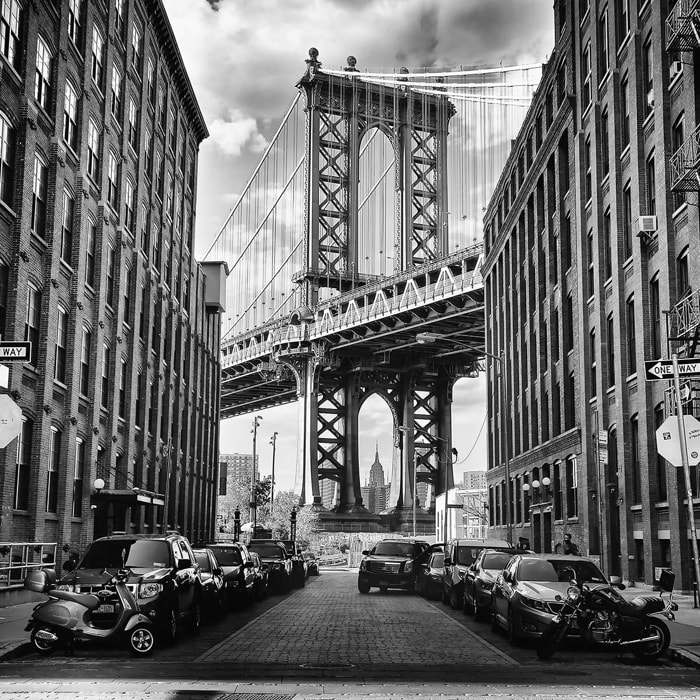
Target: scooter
67	617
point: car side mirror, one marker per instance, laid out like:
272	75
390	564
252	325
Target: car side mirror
507	577
365	552
447	561
69	565
183	564
219	571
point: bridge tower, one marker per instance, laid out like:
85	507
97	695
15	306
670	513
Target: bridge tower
341	111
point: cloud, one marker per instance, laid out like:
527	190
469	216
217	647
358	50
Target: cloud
235	133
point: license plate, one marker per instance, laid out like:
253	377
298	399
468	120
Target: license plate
105	608
383	583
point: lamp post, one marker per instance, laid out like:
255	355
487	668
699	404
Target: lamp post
253	499
424	338
273	442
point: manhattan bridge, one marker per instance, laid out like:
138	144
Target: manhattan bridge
354	255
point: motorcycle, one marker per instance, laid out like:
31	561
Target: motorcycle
601	615
67	617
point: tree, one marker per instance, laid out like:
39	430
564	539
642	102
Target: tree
279	523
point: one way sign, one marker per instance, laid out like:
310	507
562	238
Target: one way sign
663	369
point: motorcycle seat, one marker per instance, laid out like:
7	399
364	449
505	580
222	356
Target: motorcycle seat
91	602
647	604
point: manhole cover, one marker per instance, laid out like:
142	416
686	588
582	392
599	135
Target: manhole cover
324	667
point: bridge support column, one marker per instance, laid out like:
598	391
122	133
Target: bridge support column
308	434
350	486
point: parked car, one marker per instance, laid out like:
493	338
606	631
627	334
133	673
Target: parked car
260	586
524	597
429	576
312	568
277	563
299	570
164	573
460	554
390	564
212	577
480	579
238	570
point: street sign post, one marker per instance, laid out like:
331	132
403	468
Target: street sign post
663	369
11	351
10	420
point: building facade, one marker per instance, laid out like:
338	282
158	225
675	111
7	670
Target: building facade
588	247
99	138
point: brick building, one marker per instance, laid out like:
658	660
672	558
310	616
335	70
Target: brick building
99	137
587	247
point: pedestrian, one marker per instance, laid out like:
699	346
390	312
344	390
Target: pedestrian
569	546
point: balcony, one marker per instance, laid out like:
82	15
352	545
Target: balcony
685	163
682	26
684	321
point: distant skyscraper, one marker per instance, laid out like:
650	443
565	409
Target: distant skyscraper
375	493
474	480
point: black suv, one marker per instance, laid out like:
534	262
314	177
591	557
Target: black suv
239	572
390	563
299	565
164	576
276	561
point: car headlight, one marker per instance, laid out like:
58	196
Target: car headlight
486	585
149	590
67	587
534	604
276	565
408	567
573	593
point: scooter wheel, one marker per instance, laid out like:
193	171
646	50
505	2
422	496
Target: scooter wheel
43	646
141	640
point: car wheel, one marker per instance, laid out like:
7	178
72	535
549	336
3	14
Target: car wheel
513	636
363	586
141	640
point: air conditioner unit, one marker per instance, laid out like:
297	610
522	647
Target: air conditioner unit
676	68
650	98
647	224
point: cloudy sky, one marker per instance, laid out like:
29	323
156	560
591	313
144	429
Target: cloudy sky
244	58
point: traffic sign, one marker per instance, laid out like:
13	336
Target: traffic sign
10	420
668	443
11	351
663	369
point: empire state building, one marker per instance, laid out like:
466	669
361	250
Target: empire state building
375	493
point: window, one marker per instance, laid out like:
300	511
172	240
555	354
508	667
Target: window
151	82
648	77
607	233
634	459
97	70
148	154
109	294
59	369
586	76
74	21
85	347
128	277
78	472
70	117
655	303
170	196
122	388
23	465
631	337
119	18
166	261
682	276
145	223
591	264
172	130
651	186
113	181
41	173
659	418
162	114
67	227
116	98
93	146
90	245
584	7
158	175
7	160
105	376
571	488
4	287
625	110
42	83
611	351
138	407
627	220
136	47
588	186
142	313
603	45
9	31
605	143
52	470
677	140
593	376
133	135
622	20
129	205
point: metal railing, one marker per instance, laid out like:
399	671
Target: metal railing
681	34
684	164
17	559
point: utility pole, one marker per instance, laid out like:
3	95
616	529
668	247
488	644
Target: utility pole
253	499
273	442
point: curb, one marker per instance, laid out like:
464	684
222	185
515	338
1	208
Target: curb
15	651
684	656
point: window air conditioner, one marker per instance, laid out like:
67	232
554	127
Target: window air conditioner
676	68
647	224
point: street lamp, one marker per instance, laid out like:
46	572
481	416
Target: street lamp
424	338
273	442
253	500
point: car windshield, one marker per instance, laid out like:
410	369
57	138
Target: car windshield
437	561
228	557
137	554
267	551
202	560
555	570
394	549
495	560
466	555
